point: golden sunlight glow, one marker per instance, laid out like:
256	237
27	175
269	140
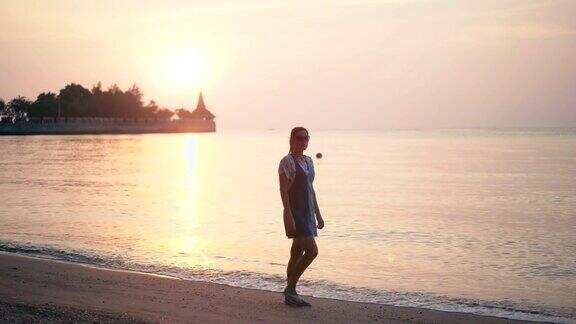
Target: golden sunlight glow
190	179
188	169
185	68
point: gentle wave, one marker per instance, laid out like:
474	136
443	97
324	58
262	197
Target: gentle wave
317	288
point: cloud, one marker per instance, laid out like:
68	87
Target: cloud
528	7
227	5
539	31
520	32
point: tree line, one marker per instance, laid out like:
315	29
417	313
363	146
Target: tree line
76	101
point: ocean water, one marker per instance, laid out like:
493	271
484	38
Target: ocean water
480	221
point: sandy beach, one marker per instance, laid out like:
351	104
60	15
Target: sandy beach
42	290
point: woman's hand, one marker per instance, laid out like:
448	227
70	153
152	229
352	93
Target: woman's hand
320	222
289	225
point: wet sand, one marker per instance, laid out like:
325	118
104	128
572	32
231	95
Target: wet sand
42	290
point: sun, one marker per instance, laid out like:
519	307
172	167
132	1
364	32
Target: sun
184	68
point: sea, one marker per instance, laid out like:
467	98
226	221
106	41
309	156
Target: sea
479	221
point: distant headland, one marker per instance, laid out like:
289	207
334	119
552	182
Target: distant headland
77	110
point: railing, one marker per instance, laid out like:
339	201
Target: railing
94	120
85	125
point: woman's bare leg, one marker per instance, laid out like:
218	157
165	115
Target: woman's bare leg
310	253
296	253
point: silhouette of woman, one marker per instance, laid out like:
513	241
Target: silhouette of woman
296	173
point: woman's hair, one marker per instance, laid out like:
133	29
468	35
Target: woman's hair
293	134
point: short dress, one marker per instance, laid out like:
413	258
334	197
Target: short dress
300	194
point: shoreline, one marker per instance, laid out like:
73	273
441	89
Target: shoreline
33	288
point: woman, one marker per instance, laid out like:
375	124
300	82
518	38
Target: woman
296	172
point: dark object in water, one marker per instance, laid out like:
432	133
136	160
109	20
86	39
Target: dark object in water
318	155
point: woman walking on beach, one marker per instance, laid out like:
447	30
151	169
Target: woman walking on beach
296	172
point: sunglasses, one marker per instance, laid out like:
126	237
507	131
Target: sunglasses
303	138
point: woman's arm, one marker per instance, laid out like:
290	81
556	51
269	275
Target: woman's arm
289	225
317	209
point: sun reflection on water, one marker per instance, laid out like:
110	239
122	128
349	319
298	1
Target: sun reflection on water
189	201
190	244
177	228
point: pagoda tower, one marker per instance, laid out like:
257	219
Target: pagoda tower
201	112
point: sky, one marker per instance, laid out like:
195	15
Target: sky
389	64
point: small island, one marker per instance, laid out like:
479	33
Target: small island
77	110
